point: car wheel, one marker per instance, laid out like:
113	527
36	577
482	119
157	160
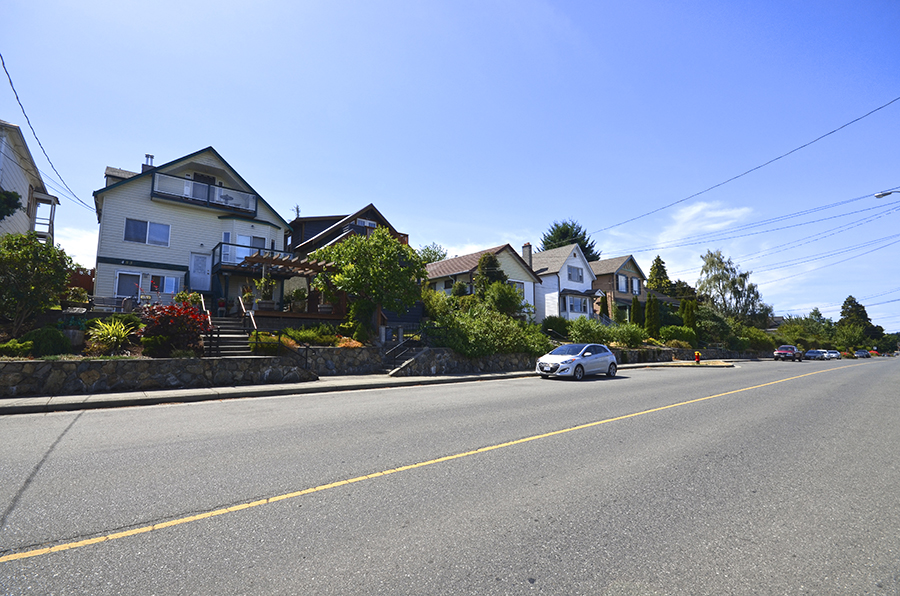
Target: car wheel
545	376
611	371
579	373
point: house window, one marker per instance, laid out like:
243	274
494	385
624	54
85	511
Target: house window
519	286
366	223
448	284
622	283
145	232
576	274
577	304
165	284
635	286
128	283
252	244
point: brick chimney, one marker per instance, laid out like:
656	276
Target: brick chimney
526	253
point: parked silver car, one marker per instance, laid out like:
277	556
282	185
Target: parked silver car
833	355
576	361
815	354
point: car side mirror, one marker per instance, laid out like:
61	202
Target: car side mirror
587	354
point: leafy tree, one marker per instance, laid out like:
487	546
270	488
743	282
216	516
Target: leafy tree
682	290
563	233
854	313
729	290
637	311
459	289
32	276
488	273
10	202
432	253
504	298
659	278
374	271
850	336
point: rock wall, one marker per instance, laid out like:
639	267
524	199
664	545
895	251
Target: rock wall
346	361
444	361
76	377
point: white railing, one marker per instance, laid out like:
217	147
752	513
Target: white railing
183	187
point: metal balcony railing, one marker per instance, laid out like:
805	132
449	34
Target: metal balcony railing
204	193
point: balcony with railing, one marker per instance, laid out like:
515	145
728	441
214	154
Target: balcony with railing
203	194
238	256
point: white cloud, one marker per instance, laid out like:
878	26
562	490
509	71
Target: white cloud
79	244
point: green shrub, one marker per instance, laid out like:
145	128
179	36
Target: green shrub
589	331
481	331
682	333
322	335
629	335
677	343
759	339
554	323
174	327
14	349
112	335
47	341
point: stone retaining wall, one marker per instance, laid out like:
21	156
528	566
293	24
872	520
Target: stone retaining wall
346	361
77	377
444	361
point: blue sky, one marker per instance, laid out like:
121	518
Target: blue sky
473	124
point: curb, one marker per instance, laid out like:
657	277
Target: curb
68	403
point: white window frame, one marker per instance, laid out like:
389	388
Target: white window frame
170	284
636	286
576	274
572	301
622	285
518	285
147	235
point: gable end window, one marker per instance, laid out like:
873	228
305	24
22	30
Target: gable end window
635	286
576	274
146	232
622	283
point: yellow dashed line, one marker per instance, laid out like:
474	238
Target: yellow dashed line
242	506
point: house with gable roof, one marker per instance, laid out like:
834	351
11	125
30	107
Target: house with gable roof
442	275
190	224
620	279
19	174
566	288
306	234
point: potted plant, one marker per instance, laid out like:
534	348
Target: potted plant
299	300
266	287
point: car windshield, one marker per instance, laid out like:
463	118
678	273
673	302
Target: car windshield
785	348
568	350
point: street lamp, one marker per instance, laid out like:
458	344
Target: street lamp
881	195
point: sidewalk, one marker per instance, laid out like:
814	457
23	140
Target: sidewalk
62	403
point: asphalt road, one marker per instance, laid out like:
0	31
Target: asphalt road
769	478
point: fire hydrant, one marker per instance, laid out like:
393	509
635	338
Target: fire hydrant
697	357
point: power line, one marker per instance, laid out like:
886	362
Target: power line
47	179
733	178
41	145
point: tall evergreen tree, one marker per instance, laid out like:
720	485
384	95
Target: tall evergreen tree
604	306
569	231
651	316
637	311
488	272
659	278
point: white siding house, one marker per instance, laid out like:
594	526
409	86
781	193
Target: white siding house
565	288
19	174
184	225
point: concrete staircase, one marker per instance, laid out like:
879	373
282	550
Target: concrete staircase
231	337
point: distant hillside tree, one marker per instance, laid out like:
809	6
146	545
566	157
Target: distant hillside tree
563	233
432	253
730	292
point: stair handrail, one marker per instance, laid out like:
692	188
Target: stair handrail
247	314
213	339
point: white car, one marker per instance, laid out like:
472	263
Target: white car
576	361
832	355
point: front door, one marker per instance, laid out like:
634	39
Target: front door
200	278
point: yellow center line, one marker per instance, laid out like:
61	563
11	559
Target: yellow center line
322	487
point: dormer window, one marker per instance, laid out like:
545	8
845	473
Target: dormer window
366	223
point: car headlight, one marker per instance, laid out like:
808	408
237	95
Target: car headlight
569	361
